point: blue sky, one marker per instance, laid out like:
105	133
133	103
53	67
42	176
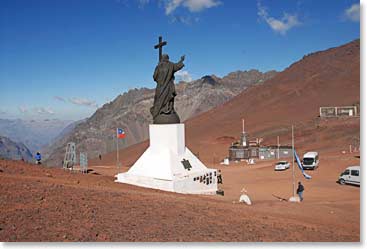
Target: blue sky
64	59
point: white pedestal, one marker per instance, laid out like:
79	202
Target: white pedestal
162	165
294	199
245	199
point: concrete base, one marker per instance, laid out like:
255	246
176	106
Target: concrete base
169	165
294	199
245	199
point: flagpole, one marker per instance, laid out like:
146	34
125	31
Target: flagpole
278	146
117	151
294	184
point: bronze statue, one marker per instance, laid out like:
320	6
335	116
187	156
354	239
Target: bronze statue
163	110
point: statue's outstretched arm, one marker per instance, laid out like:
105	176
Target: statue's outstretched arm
179	65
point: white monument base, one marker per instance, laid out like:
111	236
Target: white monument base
169	165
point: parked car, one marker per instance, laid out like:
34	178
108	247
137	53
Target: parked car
282	165
310	160
351	175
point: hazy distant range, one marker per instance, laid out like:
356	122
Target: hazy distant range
34	134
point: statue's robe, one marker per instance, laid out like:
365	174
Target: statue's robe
165	91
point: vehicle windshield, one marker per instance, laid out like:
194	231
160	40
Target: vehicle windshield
308	161
346	172
281	163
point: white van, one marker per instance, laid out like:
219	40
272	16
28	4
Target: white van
310	160
351	175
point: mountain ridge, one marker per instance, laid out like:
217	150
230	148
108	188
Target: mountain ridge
292	97
130	111
13	150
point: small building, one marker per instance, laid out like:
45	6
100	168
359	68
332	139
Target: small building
238	152
275	152
339	111
245	149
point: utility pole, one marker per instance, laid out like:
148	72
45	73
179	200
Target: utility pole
294	184
278	147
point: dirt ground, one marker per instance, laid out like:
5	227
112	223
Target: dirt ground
48	204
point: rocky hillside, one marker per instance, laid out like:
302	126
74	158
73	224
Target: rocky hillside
14	151
130	111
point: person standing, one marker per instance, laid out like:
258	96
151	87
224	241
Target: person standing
300	190
219	177
38	158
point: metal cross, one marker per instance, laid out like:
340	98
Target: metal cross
160	46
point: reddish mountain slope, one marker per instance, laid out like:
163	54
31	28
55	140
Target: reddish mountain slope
327	78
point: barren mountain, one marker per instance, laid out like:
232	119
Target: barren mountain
130	111
14	151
